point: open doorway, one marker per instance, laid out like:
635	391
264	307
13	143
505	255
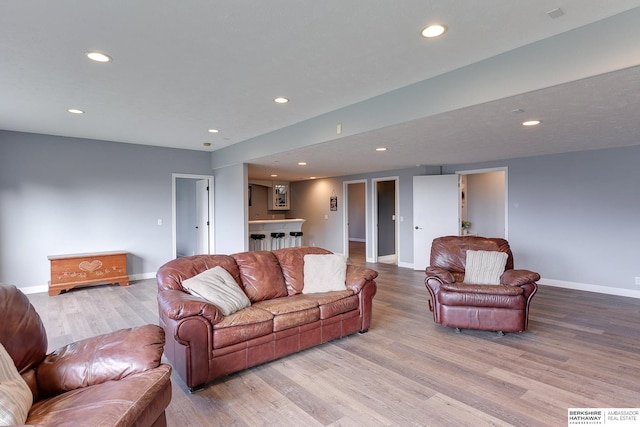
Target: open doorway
385	211
483	202
355	219
192	206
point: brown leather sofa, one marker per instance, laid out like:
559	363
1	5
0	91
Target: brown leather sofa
114	379
502	307
202	344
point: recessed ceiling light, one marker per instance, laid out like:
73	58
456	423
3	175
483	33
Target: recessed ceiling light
302	163
274	175
206	144
214	130
434	30
75	111
531	123
312	177
381	149
98	57
281	100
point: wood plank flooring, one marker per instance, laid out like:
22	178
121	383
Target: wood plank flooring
582	350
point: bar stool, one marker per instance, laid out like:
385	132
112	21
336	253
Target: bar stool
296	238
257	239
277	240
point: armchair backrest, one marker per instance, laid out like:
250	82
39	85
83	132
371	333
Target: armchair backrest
21	330
450	252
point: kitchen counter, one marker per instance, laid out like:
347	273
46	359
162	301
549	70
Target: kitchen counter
268	226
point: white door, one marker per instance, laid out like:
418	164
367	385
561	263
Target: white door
435	213
202	216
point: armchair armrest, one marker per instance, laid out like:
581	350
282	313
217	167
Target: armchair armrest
518	277
179	305
99	359
357	276
439	273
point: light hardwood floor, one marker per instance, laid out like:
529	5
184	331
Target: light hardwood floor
582	350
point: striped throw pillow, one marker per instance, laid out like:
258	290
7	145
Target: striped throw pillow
15	396
484	267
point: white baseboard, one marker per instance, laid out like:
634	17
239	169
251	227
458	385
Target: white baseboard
45	288
405	265
34	289
142	276
355	239
590	288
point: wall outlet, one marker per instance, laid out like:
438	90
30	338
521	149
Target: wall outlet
638	281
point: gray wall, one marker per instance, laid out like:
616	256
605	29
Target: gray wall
231	209
68	195
572	217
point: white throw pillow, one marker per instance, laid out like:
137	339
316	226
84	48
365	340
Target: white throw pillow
324	273
217	286
15	396
484	267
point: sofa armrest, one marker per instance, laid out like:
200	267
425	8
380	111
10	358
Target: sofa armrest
357	276
179	305
518	277
439	273
99	359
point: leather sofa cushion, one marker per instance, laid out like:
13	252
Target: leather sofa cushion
291	311
334	303
296	318
260	275
241	326
287	305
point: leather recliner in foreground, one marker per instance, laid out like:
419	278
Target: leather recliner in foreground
107	380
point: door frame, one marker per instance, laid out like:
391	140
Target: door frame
209	178
374	214
504	169
345	216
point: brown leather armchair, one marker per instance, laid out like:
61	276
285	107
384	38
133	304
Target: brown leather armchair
502	307
111	379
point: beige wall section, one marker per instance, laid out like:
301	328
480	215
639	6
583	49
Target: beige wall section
260	202
310	201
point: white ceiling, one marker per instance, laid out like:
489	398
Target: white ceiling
180	68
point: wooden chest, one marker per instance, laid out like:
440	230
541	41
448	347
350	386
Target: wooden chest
69	271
